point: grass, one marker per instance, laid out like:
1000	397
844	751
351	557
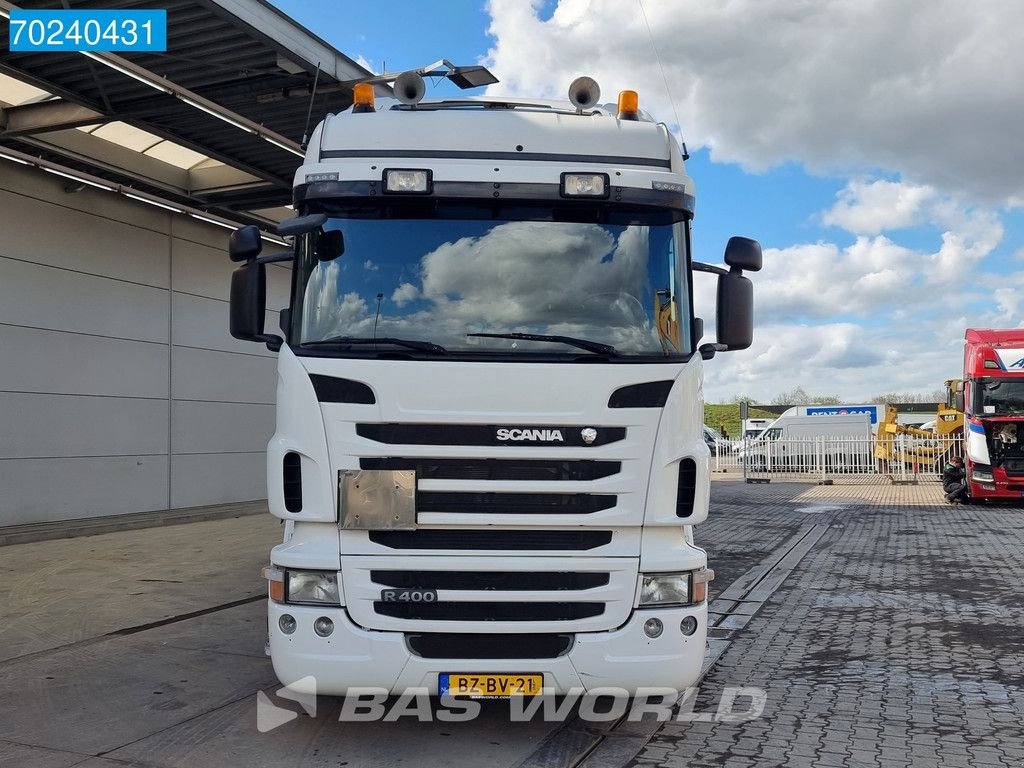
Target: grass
728	415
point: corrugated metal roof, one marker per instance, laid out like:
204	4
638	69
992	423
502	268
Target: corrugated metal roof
244	56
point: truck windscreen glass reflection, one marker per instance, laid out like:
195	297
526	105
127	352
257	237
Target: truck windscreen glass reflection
439	280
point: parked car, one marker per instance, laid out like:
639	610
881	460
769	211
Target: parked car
717	444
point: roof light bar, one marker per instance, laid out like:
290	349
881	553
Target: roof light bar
126	71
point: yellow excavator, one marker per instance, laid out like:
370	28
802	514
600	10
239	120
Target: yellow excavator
922	450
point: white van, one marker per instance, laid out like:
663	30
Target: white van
754	427
801	442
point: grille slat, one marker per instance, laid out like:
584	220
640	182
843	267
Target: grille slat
513	503
492	540
497	469
491	580
484	611
456	645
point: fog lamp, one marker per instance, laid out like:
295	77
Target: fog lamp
653	627
287	623
688	625
323	626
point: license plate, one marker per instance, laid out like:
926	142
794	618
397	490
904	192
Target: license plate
481	686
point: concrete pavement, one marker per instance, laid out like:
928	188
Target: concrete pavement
895	636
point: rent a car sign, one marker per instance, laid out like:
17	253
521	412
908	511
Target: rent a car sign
845	410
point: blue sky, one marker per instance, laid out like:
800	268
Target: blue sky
871	147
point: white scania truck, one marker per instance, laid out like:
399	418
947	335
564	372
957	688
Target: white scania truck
488	453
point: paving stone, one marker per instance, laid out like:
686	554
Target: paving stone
870	653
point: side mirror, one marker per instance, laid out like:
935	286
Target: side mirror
958	401
743	253
735	316
697	330
245	243
249	304
330	245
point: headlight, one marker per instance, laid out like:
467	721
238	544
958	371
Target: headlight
320	587
665	589
980	475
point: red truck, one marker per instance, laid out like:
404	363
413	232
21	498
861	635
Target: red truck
994	413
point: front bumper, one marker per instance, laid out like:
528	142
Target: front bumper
353	657
1002	488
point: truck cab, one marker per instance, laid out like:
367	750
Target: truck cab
488	454
993	407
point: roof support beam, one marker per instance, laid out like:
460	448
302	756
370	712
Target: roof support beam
46	116
288	38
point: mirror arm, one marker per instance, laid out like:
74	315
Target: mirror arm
707	351
272	340
275	258
699	266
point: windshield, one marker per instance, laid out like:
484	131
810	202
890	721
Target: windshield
495	286
999	396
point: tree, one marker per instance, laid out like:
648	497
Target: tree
936	396
799	396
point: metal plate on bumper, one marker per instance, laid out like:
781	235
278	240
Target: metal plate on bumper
377	499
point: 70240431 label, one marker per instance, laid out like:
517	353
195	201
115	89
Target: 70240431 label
94	30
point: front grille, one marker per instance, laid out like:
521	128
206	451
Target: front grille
487	434
492	540
497	469
1014	467
482	611
513	503
456	645
490	580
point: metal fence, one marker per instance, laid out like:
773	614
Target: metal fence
895	458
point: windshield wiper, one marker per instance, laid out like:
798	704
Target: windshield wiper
591	346
419	346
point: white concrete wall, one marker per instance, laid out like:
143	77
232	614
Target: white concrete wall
121	389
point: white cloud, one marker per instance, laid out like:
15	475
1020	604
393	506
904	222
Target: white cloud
405	293
869	208
851	361
929	88
874	316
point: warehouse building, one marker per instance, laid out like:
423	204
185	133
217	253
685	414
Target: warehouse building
121	390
